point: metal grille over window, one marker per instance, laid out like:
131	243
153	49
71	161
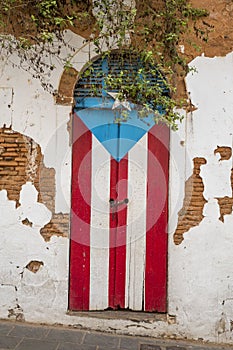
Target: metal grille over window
91	89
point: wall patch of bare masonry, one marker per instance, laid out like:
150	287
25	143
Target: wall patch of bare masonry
216	28
191	213
27	222
224	151
66	87
21	160
34	266
226	203
58	226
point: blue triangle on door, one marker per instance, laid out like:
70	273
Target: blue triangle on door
117	139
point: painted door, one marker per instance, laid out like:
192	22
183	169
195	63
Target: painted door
118	247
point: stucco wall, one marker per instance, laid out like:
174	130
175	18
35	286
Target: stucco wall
34	270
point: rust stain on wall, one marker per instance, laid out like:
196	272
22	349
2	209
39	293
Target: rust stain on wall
224	151
191	213
21	160
226	203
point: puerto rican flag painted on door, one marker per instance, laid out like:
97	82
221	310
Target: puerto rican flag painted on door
118	247
119	203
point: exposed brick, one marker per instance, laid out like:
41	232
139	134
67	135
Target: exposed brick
191	213
4	172
66	86
20	159
10	140
4	163
10	145
226	203
27	222
15	172
34	266
27	164
9	154
224	151
59	226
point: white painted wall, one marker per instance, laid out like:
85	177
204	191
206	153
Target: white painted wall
200	281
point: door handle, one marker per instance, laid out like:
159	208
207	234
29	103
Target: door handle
115	203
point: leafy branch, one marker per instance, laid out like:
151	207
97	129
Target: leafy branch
151	30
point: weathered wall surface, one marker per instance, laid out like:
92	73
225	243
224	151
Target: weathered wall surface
200	263
35	183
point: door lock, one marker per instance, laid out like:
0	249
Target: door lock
115	203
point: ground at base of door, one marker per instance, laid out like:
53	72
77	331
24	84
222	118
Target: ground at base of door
24	336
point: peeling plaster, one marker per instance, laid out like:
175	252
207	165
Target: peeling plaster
224	151
27	222
29	208
66	87
26	252
32	154
16	313
21	160
191	213
203	186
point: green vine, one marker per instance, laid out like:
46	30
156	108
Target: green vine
150	30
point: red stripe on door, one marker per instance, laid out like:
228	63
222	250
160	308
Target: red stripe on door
80	217
157	216
122	189
118	220
113	233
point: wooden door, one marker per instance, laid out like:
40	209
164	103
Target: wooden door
118	246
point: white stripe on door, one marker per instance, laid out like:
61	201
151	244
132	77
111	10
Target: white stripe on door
136	222
99	236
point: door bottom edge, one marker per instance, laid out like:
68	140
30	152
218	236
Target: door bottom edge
137	316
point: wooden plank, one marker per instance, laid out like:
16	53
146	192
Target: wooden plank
120	248
112	233
136	225
157	216
99	235
80	217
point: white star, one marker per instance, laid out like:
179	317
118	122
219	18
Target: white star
118	103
